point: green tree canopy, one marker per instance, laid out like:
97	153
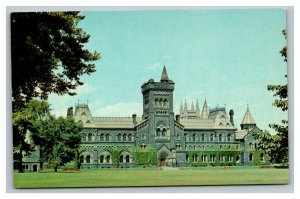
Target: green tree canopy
23	124
59	140
47	54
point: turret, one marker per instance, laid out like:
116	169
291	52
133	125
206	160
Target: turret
248	121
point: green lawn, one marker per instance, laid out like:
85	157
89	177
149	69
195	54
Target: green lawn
152	177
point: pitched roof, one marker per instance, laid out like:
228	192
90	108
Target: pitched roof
203	124
241	134
248	119
112	122
164	75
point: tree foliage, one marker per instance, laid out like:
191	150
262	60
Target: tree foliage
59	140
47	54
276	146
23	124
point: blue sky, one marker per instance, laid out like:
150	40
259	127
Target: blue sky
227	57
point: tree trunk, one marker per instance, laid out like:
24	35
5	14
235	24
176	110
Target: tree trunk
55	168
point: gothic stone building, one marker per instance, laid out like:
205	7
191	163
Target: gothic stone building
192	138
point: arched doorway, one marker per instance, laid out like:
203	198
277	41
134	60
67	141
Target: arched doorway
34	168
163	156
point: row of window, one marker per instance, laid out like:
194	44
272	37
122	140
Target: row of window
106	158
210	138
221	158
160	102
203	147
106	137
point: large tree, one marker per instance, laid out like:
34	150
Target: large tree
48	54
59	140
276	146
24	121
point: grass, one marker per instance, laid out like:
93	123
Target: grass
152	177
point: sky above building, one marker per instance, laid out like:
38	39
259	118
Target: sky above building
226	56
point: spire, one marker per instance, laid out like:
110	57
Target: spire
248	119
205	111
164	75
185	105
192	107
197	105
181	108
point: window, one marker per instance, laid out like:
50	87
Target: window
211	137
130	137
228	137
237	158
101	159
127	158
165	102
177	136
119	137
81	159
220	137
221	158
194	148
90	137
101	137
164	132
212	157
124	137
250	157
107	159
202	137
88	159
178	146
158	132
194	137
195	158
156	102
204	158
160	102
250	145
143	137
107	137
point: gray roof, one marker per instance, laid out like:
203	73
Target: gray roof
241	134
203	124
112	122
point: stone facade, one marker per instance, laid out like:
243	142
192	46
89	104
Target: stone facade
192	138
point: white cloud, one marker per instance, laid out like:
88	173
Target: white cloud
154	66
84	89
121	109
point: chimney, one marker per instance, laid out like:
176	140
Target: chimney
231	113
134	119
177	118
70	112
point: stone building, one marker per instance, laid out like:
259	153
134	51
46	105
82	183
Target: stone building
193	138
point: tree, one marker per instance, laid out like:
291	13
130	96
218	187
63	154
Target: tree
59	140
276	146
48	55
23	125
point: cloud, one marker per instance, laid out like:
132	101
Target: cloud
154	66
121	109
84	89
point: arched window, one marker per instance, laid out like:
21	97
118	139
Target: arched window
220	137
250	145
130	137
107	159
211	137
101	159
102	137
124	137
177	136
160	102
158	132
81	159
237	158
194	137
165	102
203	147
121	159
250	157
90	137
202	137
194	148
212	157
83	113
195	158
127	158
107	137
143	137
164	132
88	159
221	146
204	158
119	137
156	102
228	137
